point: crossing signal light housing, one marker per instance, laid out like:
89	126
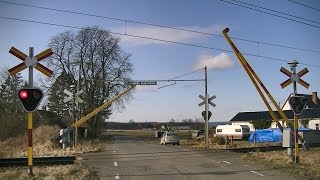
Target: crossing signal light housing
297	104
30	98
204	115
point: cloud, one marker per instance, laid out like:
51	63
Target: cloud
221	61
165	34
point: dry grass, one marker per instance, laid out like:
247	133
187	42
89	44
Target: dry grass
17	146
308	168
42	146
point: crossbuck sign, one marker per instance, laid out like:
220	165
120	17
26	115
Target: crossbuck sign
70	96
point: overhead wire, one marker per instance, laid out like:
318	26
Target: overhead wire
155	25
269	13
286	14
177	77
151	38
304	5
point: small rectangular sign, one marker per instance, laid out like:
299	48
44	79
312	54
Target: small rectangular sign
143	82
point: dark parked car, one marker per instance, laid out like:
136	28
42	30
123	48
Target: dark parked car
197	134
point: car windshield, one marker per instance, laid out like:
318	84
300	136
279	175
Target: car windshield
171	134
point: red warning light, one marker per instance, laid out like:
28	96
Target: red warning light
23	94
30	98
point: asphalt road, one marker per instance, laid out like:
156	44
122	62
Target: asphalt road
134	159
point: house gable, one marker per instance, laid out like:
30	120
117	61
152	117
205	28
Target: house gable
312	101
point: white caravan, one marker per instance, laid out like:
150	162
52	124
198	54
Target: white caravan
232	131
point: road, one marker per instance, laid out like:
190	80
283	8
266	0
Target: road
132	158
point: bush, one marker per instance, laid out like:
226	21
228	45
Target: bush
220	141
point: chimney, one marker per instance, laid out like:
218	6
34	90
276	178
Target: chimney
315	98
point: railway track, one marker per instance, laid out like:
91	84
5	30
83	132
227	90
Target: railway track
6	162
256	149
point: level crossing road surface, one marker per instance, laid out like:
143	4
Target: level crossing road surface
132	158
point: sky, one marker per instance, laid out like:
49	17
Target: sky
252	32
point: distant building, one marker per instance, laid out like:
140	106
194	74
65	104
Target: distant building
180	127
310	117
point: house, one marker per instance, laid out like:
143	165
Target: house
246	118
310	117
312	101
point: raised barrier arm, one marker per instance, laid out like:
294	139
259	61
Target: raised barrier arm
254	77
90	115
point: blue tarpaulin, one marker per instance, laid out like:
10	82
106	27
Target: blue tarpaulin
266	135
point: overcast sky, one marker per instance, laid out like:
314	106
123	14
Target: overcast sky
154	59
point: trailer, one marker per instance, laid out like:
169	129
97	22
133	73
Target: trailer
232	131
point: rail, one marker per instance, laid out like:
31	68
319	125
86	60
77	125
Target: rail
7	162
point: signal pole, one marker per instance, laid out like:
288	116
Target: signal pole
206	109
30	153
72	87
206	114
77	107
293	65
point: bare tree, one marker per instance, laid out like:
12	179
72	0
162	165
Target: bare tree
104	66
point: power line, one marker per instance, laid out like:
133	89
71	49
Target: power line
186	74
276	11
154	39
304	5
156	25
272	14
